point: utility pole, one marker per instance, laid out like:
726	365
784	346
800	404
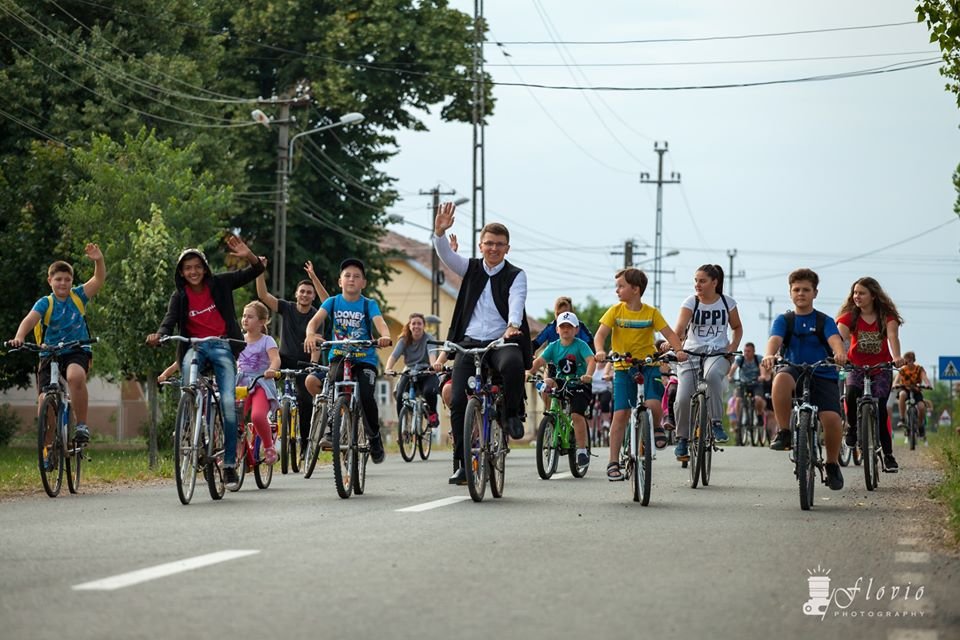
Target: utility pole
769	316
732	253
658	242
478	119
628	254
434	258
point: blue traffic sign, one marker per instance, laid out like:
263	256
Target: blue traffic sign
950	367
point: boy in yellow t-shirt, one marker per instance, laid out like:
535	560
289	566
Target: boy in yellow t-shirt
632	326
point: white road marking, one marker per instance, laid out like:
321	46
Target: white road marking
562	475
426	506
909	542
162	570
914	557
924	606
908	577
912	634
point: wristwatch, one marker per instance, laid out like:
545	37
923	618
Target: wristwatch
513	324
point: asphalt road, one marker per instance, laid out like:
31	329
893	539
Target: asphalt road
564	558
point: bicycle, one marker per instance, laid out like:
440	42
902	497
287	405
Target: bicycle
637	449
250	448
198	435
412	435
912	421
319	419
288	428
56	423
868	434
702	444
599	433
484	440
807	433
351	446
555	435
747	424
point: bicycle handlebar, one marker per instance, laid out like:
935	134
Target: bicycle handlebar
614	356
199	340
496	344
881	366
56	348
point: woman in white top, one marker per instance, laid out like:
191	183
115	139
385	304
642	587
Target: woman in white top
705	320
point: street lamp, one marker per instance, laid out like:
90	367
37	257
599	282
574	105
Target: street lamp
285	169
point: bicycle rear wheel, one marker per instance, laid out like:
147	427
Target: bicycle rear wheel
643	472
185	456
424	441
547	455
318	423
474	450
343	447
497	459
214	467
49	446
74	456
868	431
407	434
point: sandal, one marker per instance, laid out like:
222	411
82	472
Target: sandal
613	472
659	437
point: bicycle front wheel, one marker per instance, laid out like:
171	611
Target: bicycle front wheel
214	467
546	447
184	454
643	467
804	447
424	440
868	443
407	434
243	433
74	456
286	453
343	447
474	450
49	446
698	438
361	454
912	426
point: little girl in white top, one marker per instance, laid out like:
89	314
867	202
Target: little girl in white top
705	319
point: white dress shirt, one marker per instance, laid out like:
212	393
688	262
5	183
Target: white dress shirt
486	323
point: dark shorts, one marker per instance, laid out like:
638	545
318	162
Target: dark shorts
82	358
578	399
824	392
916	394
605	398
755	388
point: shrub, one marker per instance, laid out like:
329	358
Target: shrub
9	424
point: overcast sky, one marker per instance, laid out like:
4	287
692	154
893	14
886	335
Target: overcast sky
850	177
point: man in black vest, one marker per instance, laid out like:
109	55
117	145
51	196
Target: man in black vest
490	305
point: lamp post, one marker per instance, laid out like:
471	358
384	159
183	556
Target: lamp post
284	169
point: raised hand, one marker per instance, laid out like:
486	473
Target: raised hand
445	217
238	248
93	252
308	267
453	242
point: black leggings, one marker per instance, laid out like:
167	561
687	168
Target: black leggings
429	387
853	395
366	377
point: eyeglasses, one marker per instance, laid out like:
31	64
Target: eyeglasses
493	245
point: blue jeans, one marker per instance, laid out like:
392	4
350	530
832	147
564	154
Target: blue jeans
219	356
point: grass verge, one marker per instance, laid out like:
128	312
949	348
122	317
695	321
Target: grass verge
946	448
105	466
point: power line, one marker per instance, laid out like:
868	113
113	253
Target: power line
685	63
776	34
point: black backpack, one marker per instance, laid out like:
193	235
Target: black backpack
819	331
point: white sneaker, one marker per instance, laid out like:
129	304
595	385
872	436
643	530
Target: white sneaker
906	439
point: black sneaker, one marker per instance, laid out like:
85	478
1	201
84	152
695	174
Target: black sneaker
230	476
783	441
82	434
515	427
834	477
851	437
890	463
376	449
459	477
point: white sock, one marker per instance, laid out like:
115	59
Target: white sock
581	450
